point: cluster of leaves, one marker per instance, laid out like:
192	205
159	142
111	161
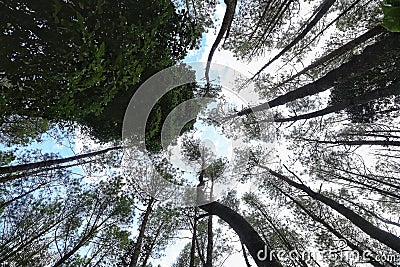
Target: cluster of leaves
69	60
391	12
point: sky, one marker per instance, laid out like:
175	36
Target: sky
226	58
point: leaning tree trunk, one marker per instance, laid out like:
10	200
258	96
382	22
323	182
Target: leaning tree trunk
210	244
382	236
323	9
331	229
225	26
246	233
138	246
52	162
357	142
354	67
337	52
393	89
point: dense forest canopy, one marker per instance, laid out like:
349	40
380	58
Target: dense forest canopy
325	191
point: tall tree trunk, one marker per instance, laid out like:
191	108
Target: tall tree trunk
81	243
246	259
152	245
49	163
270	27
246	233
281	236
357	142
368	177
225	26
354	67
210	245
370	212
339	51
384	237
330	228
365	185
194	239
139	240
11	177
393	89
8	202
323	9
261	19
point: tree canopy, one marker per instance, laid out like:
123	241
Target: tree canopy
306	176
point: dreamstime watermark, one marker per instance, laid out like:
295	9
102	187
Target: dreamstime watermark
340	253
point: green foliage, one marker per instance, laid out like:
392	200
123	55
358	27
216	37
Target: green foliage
160	112
391	12
69	60
19	130
6	158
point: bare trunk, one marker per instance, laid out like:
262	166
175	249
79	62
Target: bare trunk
152	245
225	26
11	177
353	68
384	237
246	233
390	90
194	236
323	9
331	229
209	242
339	51
138	245
358	142
48	163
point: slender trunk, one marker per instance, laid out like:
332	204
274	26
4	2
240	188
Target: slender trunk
48	163
209	242
138	245
393	89
357	142
339	51
194	236
200	252
246	233
81	243
370	177
281	236
330	228
11	177
87	234
382	191
267	8
246	259
271	26
8	202
384	237
323	30
152	245
323	9
225	26
370	135
371	213
26	242
354	67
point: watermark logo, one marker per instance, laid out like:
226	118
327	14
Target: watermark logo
341	252
231	141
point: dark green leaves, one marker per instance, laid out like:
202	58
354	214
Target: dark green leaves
391	12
